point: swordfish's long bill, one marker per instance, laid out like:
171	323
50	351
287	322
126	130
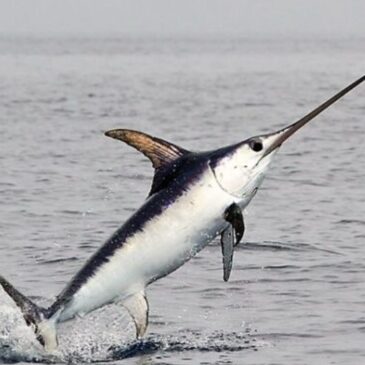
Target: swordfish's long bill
284	134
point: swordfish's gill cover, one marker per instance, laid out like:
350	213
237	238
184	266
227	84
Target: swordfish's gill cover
195	196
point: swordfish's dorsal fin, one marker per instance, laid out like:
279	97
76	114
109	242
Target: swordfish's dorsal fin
160	152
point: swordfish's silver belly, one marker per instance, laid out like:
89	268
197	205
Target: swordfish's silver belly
163	245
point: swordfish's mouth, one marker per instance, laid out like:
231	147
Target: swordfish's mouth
284	134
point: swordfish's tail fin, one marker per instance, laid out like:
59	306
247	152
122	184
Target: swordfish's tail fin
34	316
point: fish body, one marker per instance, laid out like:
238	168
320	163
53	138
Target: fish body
169	229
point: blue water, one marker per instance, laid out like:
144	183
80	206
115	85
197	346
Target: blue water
297	290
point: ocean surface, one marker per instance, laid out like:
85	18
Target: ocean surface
297	289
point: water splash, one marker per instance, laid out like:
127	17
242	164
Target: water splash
17	341
106	336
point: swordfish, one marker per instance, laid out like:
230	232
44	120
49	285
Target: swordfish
195	197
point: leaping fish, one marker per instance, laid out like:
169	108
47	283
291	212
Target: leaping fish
195	196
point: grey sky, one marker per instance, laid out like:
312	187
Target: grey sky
325	18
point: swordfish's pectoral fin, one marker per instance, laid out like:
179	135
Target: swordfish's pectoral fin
231	236
160	152
227	241
233	215
137	307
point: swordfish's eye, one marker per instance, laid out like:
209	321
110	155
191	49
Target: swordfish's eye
256	145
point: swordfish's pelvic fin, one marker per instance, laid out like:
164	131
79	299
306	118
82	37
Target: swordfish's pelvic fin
137	306
231	236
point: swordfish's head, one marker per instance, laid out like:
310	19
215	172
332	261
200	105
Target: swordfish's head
240	168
